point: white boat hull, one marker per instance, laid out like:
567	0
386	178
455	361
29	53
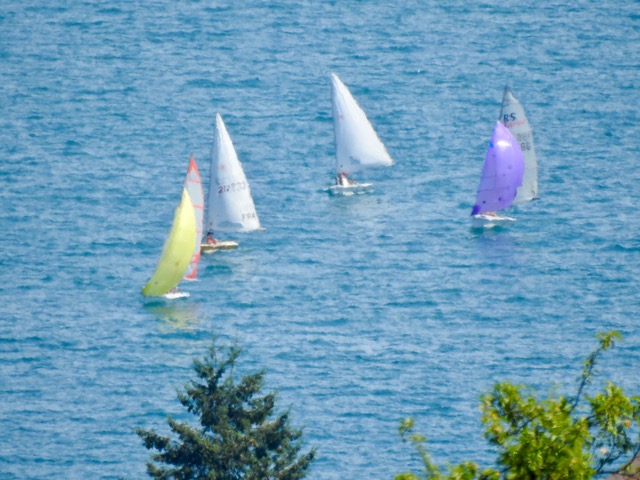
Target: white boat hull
220	245
489	221
346	190
175	295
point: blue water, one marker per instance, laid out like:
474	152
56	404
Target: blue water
363	310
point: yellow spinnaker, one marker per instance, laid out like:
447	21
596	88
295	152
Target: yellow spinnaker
177	250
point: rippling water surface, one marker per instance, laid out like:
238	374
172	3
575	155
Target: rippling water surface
363	310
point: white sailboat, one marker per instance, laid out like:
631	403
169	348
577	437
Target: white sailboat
193	185
513	117
357	144
230	207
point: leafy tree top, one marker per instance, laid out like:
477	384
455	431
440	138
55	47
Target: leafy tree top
558	437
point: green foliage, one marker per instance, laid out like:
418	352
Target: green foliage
463	471
554	438
238	436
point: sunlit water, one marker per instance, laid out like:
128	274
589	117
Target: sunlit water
363	310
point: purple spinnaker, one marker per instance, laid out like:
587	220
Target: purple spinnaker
502	172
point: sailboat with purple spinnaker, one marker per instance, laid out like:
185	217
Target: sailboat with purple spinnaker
501	175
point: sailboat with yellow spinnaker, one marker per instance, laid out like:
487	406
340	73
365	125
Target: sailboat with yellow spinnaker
177	251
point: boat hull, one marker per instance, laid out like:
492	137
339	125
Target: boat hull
220	245
175	295
488	221
346	190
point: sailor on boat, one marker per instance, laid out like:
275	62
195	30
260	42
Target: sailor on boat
343	180
210	239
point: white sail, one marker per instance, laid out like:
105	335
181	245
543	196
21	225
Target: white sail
357	144
230	207
512	116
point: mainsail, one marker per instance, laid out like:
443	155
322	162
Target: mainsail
501	174
357	144
193	185
230	206
512	116
177	251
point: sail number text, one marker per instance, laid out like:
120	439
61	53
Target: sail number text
232	187
524	139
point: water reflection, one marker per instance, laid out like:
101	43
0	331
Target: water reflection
179	314
496	244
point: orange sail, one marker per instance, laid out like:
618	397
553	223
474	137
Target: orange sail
193	185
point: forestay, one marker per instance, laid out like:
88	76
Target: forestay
230	205
357	144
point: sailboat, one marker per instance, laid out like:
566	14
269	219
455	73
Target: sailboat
230	207
501	176
512	116
176	254
193	185
357	144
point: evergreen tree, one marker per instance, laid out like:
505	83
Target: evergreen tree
239	437
576	437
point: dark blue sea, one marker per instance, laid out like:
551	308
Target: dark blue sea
363	310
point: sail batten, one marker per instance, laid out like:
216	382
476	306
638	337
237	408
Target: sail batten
357	144
230	206
513	117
